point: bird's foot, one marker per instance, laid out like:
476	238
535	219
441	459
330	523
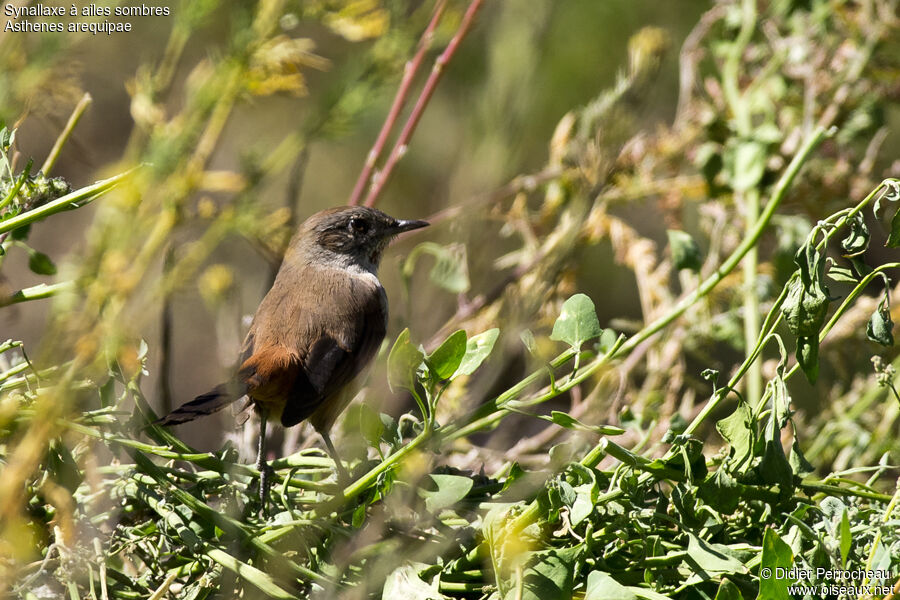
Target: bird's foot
265	483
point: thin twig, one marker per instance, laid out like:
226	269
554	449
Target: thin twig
400	146
409	73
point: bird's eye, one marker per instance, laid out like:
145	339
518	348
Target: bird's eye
359	225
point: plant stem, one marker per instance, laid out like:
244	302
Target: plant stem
85	195
37	292
76	115
409	73
401	145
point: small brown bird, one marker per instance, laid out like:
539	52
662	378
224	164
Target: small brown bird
316	329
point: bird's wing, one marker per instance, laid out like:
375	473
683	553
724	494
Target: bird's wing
343	349
305	348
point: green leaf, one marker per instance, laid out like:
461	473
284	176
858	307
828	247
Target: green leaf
450	270
403	361
721	491
577	323
63	467
548	575
711	560
846	538
775	468
569	422
739	430
608	339
808	356
776	554
601	586
749	164
857	240
450	490
728	591
685	251
370	424
880	326
444	361
842	274
806	304
40	263
478	348
805	308
893	240
799	465
586	495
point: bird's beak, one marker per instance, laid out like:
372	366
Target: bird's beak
401	226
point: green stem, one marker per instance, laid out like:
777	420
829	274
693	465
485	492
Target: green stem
85	194
37	292
366	481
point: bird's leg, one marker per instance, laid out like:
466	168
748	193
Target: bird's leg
261	464
342	476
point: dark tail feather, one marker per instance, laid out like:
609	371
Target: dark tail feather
205	404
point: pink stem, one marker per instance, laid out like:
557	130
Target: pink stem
409	73
401	145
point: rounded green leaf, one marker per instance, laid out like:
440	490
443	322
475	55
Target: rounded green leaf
444	361
450	490
478	348
40	263
403	361
577	323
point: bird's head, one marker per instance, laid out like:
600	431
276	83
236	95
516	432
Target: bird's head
351	234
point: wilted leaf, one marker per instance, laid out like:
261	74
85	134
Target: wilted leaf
478	348
685	251
805	308
806	304
403	361
857	240
842	274
880	326
577	323
444	361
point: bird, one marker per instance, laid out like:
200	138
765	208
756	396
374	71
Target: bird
317	328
